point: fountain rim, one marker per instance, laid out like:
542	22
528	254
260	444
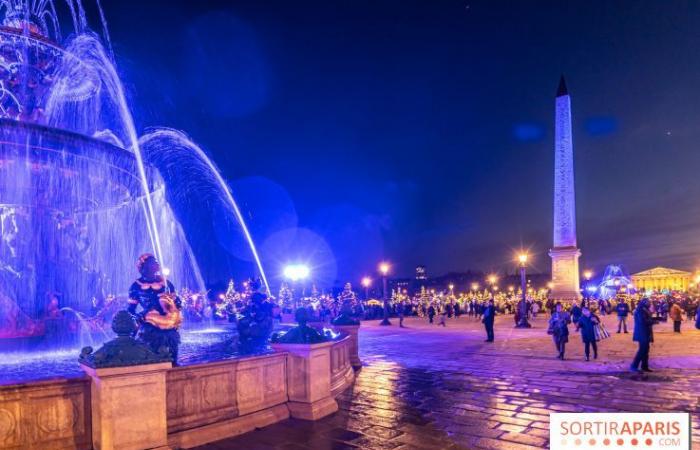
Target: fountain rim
29	35
37	132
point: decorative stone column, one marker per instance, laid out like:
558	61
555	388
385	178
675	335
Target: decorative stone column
309	379
352	331
127	391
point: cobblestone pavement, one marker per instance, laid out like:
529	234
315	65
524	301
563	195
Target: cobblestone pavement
429	387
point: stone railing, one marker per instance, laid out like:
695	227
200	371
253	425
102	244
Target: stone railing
342	373
47	415
156	406
206	402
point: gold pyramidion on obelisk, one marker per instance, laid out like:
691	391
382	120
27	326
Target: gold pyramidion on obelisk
564	252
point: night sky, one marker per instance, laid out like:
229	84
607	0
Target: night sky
422	131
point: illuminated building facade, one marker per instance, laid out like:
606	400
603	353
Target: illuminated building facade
662	278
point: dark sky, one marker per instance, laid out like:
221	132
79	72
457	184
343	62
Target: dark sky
422	131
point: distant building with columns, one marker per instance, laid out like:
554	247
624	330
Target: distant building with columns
662	278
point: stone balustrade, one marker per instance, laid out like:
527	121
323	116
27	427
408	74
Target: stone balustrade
156	406
46	415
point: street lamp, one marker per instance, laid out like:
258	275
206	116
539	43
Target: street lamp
295	273
384	270
587	274
475	287
522	320
366	283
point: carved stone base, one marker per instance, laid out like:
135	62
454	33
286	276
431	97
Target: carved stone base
352	331
565	274
129	407
313	411
309	379
229	428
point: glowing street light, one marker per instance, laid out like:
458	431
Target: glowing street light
296	272
587	274
492	279
366	283
522	258
384	268
475	286
522	320
550	285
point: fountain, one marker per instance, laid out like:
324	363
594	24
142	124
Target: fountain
615	279
81	194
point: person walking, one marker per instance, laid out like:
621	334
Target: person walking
559	329
431	313
643	335
489	317
443	316
401	310
676	315
587	324
623	311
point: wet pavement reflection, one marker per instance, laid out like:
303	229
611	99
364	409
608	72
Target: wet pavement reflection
426	387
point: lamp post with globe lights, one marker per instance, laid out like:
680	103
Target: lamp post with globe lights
493	279
522	320
475	288
366	283
587	275
384	270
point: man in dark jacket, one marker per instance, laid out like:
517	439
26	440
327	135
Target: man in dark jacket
575	313
643	335
623	310
431	313
489	317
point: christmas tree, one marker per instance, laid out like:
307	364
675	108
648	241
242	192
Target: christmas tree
286	297
348	301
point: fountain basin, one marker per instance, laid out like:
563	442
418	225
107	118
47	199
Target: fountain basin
203	402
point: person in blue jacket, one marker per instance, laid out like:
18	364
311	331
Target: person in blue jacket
623	310
643	335
587	324
489	317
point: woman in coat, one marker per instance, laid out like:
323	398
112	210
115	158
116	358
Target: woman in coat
559	329
587	324
643	335
676	315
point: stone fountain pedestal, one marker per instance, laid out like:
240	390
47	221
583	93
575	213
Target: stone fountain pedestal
128	395
309	379
129	407
352	331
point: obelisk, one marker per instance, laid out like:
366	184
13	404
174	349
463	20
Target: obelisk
564	252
